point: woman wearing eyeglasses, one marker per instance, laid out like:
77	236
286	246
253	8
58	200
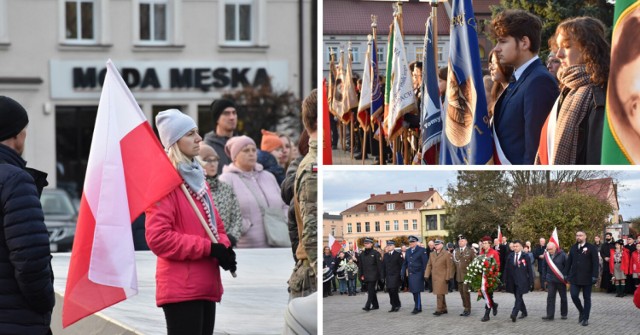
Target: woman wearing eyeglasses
223	195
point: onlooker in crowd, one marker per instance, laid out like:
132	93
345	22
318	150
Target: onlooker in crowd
605	253
306	201
431	247
572	133
328	260
225	121
26	292
526	250
538	253
500	75
352	273
462	257
443	72
440	270
188	283
223	196
520	113
635	266
287	191
415	263
598	244
487	250
503	250
255	188
391	267
582	274
271	151
288	150
553	63
452	282
340	272
327	278
518	277
619	267
631	247
556	282
369	264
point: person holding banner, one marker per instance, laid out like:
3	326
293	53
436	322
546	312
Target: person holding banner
188	280
557	265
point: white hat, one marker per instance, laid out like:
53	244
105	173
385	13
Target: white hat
172	124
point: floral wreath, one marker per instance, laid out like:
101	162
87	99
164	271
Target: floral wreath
483	267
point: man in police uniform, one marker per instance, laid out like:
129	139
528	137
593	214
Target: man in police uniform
462	257
415	263
370	264
303	279
391	266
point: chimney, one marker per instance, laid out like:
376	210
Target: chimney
400	191
430	188
388	192
372	195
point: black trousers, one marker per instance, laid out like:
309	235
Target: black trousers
586	294
196	317
372	298
551	298
394	298
519	306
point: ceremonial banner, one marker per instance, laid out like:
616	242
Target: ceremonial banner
334	245
377	98
431	109
365	91
327	154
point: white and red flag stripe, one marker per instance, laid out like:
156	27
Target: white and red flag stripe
127	171
334	245
499	236
483	290
554	239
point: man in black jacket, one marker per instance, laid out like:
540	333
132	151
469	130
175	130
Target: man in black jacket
369	264
518	277
582	274
555	281
26	278
391	266
538	255
605	252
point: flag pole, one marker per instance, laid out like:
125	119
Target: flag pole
434	28
374	28
366	127
351	116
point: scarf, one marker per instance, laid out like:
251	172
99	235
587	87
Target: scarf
576	98
193	176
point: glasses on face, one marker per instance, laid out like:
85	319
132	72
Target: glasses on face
211	161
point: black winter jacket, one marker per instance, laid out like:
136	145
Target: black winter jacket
26	277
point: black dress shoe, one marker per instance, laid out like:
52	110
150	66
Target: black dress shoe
372	308
548	318
585	322
366	309
580	318
437	313
564	317
522	316
415	311
495	309
444	312
513	318
393	309
465	313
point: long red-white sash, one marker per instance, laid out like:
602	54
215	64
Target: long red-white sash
483	289
554	268
502	158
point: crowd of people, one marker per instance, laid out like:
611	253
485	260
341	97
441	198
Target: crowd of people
440	268
541	111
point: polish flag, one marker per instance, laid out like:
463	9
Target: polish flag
127	171
355	247
334	245
499	236
554	269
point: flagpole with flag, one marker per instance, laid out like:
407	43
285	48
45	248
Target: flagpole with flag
377	96
619	139
499	235
466	138
327	154
334	245
554	239
127	171
431	109
365	98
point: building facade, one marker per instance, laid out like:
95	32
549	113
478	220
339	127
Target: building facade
385	216
433	218
331	225
171	53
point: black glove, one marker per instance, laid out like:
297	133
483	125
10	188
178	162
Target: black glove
594	280
219	251
230	264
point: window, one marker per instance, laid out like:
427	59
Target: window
440	54
415	224
332	50
406	224
355	54
349	228
241	23
371	208
387	226
367	227
80	21
381	55
153	21
377	226
4	26
408	205
391	206
358	228
432	222
419	54
395	225
333	232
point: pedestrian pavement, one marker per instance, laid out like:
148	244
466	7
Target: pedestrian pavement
344	315
342	157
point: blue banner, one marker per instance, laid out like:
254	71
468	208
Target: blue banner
431	109
466	136
377	96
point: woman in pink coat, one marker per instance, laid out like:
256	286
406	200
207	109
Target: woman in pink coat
187	272
254	187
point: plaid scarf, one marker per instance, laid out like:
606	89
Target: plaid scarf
576	98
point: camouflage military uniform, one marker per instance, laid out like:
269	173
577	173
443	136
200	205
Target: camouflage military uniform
303	279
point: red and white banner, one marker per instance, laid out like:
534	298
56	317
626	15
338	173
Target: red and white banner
554	239
483	289
499	236
127	171
334	245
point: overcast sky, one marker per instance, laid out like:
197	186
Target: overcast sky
343	189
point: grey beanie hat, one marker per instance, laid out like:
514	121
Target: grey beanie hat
172	124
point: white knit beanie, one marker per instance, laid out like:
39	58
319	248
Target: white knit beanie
172	125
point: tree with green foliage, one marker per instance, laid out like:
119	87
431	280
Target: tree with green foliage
568	211
479	201
401	240
552	12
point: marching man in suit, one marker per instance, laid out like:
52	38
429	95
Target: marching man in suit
462	257
522	109
518	276
440	269
415	263
583	267
391	266
370	273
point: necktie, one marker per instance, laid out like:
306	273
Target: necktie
517	257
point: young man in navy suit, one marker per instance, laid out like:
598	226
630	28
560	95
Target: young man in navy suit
518	277
523	107
583	267
391	266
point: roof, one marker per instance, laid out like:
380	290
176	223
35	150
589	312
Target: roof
599	188
399	199
327	216
353	17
